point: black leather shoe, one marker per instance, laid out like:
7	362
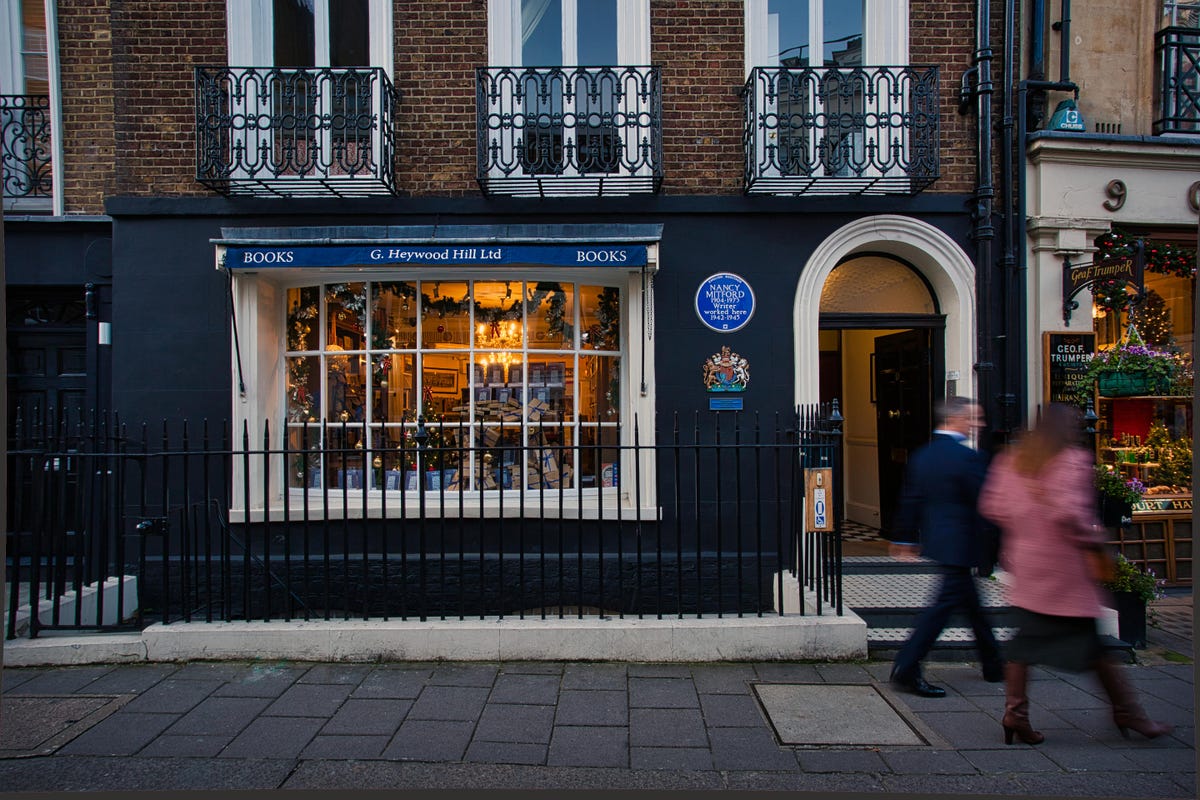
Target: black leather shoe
994	673
920	687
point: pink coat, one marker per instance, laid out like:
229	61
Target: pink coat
1046	522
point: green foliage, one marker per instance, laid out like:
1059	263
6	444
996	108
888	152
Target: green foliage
1132	578
1112	484
1164	367
1174	464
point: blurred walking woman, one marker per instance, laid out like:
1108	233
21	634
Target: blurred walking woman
1041	495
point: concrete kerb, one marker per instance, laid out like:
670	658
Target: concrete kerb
768	638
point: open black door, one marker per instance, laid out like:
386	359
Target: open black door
903	408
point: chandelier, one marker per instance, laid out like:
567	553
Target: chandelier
499	335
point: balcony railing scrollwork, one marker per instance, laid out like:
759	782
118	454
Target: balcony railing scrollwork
295	132
853	130
569	130
25	153
1177	51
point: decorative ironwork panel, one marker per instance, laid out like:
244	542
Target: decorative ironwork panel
1177	50
569	130
25	145
295	132
859	130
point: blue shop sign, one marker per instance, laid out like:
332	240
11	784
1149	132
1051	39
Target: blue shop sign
724	302
474	255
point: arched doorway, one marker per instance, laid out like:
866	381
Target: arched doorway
884	320
881	342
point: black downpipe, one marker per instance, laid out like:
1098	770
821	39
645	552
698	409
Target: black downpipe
984	230
1037	38
1012	319
1028	115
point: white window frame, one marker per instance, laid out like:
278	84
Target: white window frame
250	26
633	50
260	301
885	42
12	81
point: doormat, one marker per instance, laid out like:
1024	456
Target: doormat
847	715
37	725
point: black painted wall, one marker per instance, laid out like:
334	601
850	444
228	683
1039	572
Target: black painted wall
171	329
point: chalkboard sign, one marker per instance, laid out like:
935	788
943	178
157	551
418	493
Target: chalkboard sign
1065	358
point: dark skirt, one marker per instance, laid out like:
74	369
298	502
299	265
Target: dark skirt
1070	643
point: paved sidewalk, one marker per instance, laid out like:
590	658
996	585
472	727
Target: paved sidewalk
572	725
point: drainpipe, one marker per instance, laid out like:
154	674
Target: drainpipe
1031	107
1012	381
984	231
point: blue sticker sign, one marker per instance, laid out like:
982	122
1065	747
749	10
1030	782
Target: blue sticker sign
724	302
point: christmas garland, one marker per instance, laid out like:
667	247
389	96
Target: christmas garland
1164	258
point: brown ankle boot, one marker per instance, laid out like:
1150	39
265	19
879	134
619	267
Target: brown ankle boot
1126	711
1016	706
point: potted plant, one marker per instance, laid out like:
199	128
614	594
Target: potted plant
1132	587
1117	494
1132	368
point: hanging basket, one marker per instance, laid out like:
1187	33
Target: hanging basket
1125	384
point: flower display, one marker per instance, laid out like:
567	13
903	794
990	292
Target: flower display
1111	484
1163	369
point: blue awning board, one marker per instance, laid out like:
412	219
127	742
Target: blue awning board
429	255
588	246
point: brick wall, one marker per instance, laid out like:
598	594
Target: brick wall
437	48
143	142
942	32
85	53
156	43
700	46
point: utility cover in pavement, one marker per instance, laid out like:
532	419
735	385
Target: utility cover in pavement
37	725
833	714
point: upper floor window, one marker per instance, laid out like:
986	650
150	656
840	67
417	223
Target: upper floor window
310	33
568	33
826	33
25	119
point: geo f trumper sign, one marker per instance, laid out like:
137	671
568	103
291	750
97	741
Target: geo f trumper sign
1064	360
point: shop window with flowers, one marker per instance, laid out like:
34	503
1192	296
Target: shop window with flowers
1142	378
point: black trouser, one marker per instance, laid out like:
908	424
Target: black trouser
957	591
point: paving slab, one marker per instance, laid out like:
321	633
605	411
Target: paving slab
593	708
274	738
219	716
668	692
589	747
833	714
121	734
530	689
506	753
450	703
309	700
749	749
367	717
430	740
515	724
666	727
340	747
731	710
388	682
670	758
595	676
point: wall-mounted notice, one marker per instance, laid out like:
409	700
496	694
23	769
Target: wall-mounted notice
1065	358
724	302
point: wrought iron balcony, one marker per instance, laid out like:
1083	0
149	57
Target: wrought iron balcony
860	130
569	130
1177	51
295	132
25	149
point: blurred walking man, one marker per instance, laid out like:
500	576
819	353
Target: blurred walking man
938	512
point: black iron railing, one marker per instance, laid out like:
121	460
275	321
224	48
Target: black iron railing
569	130
707	521
859	130
1177	51
295	132
25	155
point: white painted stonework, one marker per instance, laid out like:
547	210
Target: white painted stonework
769	638
1065	212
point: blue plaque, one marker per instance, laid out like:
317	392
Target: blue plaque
724	404
724	302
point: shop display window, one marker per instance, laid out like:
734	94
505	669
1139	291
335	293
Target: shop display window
512	384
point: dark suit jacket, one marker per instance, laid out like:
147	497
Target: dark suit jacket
939	505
